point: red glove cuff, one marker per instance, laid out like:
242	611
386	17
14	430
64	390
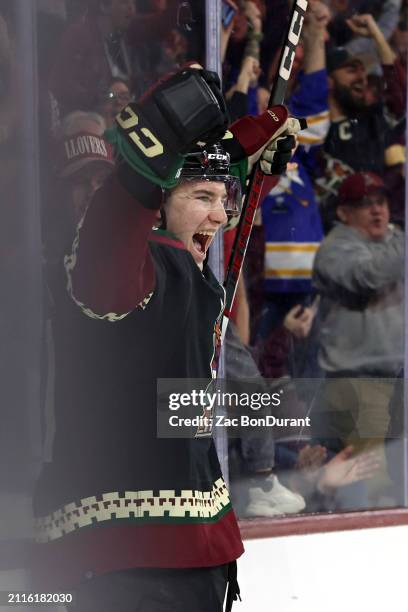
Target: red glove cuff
253	133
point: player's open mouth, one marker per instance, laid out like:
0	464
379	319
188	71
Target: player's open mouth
201	242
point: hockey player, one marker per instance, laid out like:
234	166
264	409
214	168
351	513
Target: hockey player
126	519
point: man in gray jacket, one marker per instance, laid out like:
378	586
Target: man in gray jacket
359	271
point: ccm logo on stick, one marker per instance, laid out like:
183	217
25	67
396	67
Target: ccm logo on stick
293	39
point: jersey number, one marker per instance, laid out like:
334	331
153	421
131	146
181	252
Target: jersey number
153	147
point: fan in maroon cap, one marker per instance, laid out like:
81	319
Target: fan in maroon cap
363	204
83	159
359	274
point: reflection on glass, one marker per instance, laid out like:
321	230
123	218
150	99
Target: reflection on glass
320	312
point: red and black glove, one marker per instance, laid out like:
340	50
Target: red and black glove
270	137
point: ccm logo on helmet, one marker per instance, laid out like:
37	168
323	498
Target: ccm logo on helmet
219	156
293	39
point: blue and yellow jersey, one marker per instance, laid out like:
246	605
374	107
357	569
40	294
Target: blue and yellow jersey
290	215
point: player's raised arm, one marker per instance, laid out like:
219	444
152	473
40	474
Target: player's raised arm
110	271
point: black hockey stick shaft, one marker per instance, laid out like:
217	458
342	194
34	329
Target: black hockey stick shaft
256	179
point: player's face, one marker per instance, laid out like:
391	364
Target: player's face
371	218
349	84
194	213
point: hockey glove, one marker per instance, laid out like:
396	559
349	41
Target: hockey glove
269	137
184	108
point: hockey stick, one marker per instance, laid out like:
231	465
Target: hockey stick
257	177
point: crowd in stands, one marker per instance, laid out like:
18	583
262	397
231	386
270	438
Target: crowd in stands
338	316
321	298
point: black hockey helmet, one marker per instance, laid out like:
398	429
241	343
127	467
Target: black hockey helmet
212	163
206	160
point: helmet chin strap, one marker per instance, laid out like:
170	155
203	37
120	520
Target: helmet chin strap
163	219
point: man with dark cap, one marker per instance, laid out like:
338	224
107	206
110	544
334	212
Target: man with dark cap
359	134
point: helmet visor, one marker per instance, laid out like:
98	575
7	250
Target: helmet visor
231	199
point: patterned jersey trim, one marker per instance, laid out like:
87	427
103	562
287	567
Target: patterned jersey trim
137	506
70	263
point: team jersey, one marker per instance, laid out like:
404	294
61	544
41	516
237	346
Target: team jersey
293	231
132	307
116	496
353	144
290	215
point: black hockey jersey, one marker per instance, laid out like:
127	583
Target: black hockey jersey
116	496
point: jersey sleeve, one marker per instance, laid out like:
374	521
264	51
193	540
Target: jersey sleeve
110	270
351	265
310	100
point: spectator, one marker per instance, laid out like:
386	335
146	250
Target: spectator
358	272
254	16
392	63
365	26
340	33
108	44
359	133
226	31
175	51
386	20
114	100
276	17
244	35
84	160
237	95
255	489
290	216
314	34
